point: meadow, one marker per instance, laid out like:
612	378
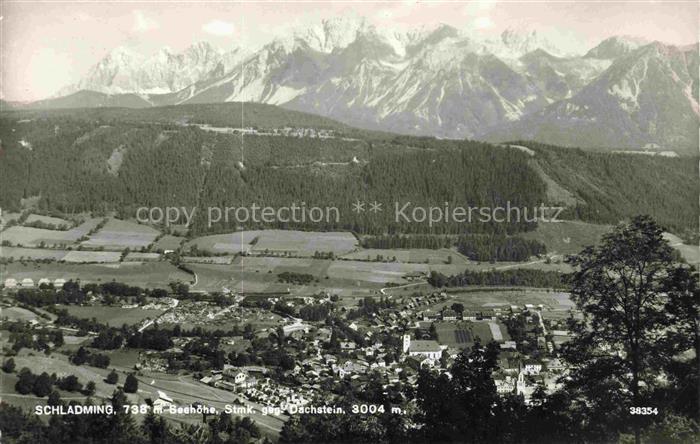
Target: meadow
146	275
414	255
138	257
556	303
567	237
120	234
296	243
112	316
18	253
464	334
167	242
92	256
35	237
17	314
304	243
342	277
229	243
57	221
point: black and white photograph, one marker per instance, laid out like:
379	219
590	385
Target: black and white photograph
349	222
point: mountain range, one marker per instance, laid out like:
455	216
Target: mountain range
625	93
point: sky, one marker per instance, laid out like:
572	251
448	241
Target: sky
46	45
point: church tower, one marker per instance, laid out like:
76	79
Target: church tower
406	343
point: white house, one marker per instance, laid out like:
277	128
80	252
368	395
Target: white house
295	327
532	368
555	364
163	401
10	283
504	385
27	283
235	375
350	368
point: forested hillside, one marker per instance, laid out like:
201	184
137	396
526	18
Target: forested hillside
121	159
610	185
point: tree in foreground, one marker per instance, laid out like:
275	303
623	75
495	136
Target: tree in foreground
42	385
623	343
463	407
112	377
131	384
90	388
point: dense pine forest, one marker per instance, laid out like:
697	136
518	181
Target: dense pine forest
122	159
499	248
521	277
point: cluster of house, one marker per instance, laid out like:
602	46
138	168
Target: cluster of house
252	383
11	283
160	304
519	372
205	313
151	361
286	131
524	377
304	132
233	378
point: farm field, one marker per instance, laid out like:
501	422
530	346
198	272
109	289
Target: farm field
147	275
92	256
32	253
120	234
167	242
231	243
7	217
113	316
259	274
58	363
250	274
137	257
57	221
34	237
123	357
220	260
298	243
73	343
183	390
304	243
570	237
339	272
374	272
464	334
567	237
216	277
557	303
16	314
416	256
382	272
